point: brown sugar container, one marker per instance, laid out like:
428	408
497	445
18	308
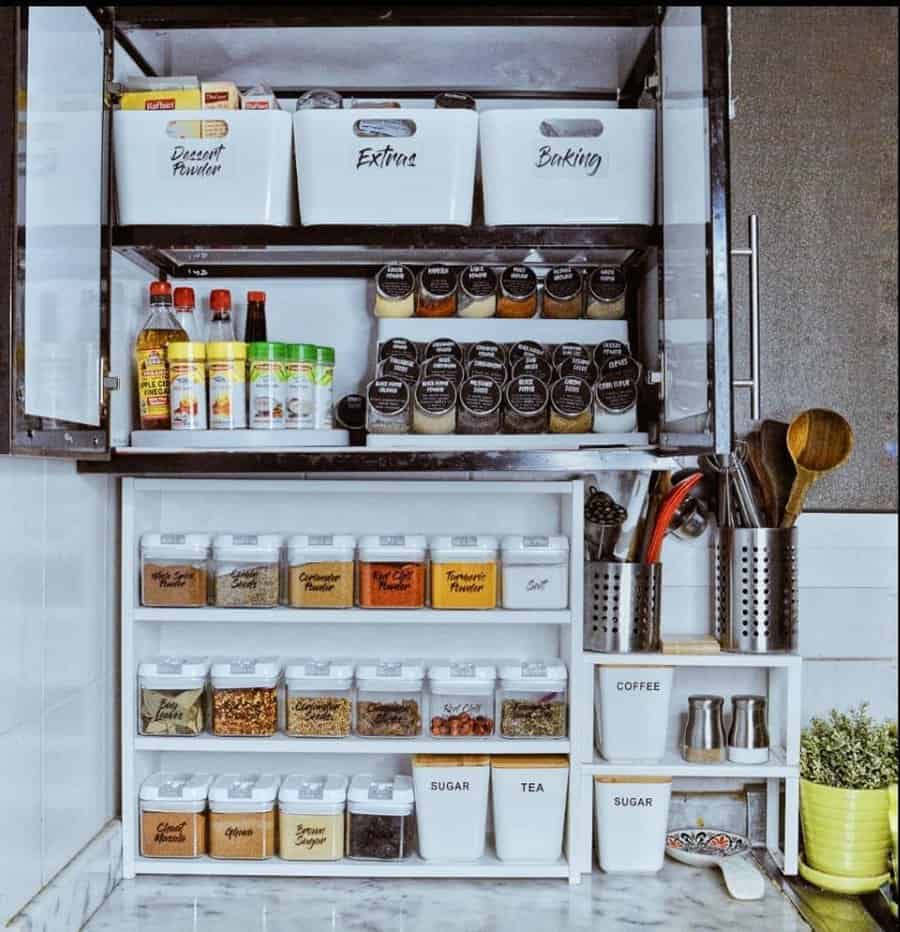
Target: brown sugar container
173	815
242	816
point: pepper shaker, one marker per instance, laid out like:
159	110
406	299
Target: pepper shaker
704	733
748	739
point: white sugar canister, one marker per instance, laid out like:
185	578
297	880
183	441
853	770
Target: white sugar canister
632	814
632	712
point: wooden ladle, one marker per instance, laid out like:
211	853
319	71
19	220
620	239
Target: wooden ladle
819	441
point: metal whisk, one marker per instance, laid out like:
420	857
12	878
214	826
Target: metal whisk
603	520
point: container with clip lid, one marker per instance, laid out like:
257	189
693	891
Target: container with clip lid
242	816
320	570
174	570
172	697
533	699
461	697
381	822
311	817
389	698
173	814
245	695
246	570
464	571
535	572
318	697
391	571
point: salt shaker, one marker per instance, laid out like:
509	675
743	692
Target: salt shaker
704	733
748	739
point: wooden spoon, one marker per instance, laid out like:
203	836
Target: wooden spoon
819	441
778	465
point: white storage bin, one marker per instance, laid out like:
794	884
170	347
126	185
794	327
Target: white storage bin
426	177
451	805
535	572
604	175
243	177
632	814
529	806
632	709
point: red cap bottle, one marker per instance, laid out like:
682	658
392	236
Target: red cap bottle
184	297
220	299
160	293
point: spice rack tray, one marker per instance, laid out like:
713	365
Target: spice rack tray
674	765
184	441
291	616
753	661
501	330
488	866
501	442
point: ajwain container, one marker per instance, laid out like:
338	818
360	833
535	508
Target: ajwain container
245	696
389	699
311	817
319	698
174	570
246	570
173	815
172	695
242	816
533	699
391	571
320	570
381	822
461	699
464	572
535	572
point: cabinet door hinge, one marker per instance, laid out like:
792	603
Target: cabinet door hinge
110	383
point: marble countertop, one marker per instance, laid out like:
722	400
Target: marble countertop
678	898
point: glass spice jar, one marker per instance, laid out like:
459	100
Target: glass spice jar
391	571
488	369
536	366
395	287
606	293
387	406
518	292
563	293
566	350
434	410
437	291
443	346
525	411
480	400
571	407
575	367
478	292
615	406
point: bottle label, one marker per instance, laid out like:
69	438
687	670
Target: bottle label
607	283
396	282
439	280
607	350
398	346
435	395
187	391
578	368
387	396
445	366
300	397
488	368
153	384
526	394
525	348
571	396
487	349
266	394
480	396
479	281
399	367
443	347
227	394
566	350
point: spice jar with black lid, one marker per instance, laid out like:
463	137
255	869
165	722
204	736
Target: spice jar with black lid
571	407
488	368
444	346
399	346
606	293
434	410
563	293
518	292
437	291
477	292
565	350
525	410
616	396
446	367
526	348
395	289
387	406
485	349
609	349
480	400
399	367
578	368
533	365
381	822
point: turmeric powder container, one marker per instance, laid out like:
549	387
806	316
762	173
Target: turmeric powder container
464	572
391	571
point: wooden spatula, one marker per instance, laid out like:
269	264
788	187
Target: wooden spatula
778	465
761	478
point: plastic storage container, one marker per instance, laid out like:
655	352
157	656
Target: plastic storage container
461	699
381	821
242	816
311	817
244	177
533	699
451	805
172	695
173	815
320	570
529	806
246	570
535	572
350	169
391	571
389	698
632	712
319	698
568	166
174	570
632	814
464	572
245	696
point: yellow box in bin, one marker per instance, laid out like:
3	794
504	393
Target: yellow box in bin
166	99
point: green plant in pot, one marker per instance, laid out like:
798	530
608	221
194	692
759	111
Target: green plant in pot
847	762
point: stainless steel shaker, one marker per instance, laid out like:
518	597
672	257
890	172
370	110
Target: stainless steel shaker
704	733
748	738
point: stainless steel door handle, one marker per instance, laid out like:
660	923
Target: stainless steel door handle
753	383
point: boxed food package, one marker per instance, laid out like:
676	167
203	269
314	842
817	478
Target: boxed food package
220	95
259	97
170	93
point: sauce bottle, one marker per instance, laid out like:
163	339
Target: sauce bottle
184	312
160	329
221	329
255	324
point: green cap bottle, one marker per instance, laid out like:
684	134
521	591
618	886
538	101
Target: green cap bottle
267	352
325	355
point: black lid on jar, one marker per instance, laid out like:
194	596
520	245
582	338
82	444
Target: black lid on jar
480	396
607	283
615	395
438	280
387	396
607	350
445	366
395	282
399	346
478	281
488	368
526	395
562	283
435	395
350	412
570	397
518	282
621	367
533	365
486	349
399	367
565	350
526	348
444	346
578	368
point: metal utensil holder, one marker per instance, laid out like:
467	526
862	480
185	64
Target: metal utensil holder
622	607
756	590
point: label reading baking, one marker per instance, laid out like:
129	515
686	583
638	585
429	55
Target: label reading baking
534	668
535	366
387	396
462	670
534	541
616	395
478	281
567	350
445	367
518	281
398	346
386	156
311	789
350	412
381	789
526	395
621	367
563	282
317	668
607	283
199	161
607	350
435	395
576	160
525	348
570	396
486	349
399	367
172	540
444	347
480	395
488	368
395	281
439	280
577	368
389	668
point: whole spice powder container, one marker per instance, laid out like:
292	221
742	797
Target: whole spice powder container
571	407
616	396
437	291
311	817
242	816
567	350
320	570
319	697
609	349
434	411
398	346
563	293
381	821
461	699
526	406
480	401
444	346
174	570
518	292
395	287
488	368
389	698
526	348
535	366
172	695
477	292
391	571
606	293
533	699
576	367
173	815
387	406
485	349
464	572
268	385
446	367
245	696
246	570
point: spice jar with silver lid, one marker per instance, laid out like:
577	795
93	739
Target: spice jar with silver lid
571	409
395	288
399	346
488	368
616	396
606	293
477	292
434	411
518	292
443	346
437	291
563	293
480	401
526	406
536	366
387	406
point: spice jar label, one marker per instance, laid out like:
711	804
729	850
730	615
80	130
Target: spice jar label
241	788
479	281
525	348
444	366
607	283
526	394
467	541
480	396
486	349
621	367
435	396
536	540
491	368
570	396
535	366
321	540
444	347
173	667
577	367
534	668
466	670
173	787
566	350
616	394
387	396
395	281
609	349
381	789
439	280
398	346
242	667
563	282
518	281
399	367
389	668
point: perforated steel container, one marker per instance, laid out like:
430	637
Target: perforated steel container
756	590
622	607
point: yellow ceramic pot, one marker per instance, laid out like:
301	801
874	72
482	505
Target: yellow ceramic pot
845	832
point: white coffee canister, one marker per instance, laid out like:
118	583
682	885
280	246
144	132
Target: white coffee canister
632	815
632	712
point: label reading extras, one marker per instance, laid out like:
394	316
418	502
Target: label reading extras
566	350
435	395
351	412
562	282
480	395
526	394
399	367
444	347
395	281
621	367
478	281
579	368
438	280
570	396
535	366
488	368
398	346
607	350
486	349
525	348
386	156
445	367
387	396
518	281
607	283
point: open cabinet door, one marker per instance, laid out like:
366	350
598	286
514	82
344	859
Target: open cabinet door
60	296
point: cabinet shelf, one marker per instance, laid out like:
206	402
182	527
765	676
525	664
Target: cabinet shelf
755	661
355	616
675	766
